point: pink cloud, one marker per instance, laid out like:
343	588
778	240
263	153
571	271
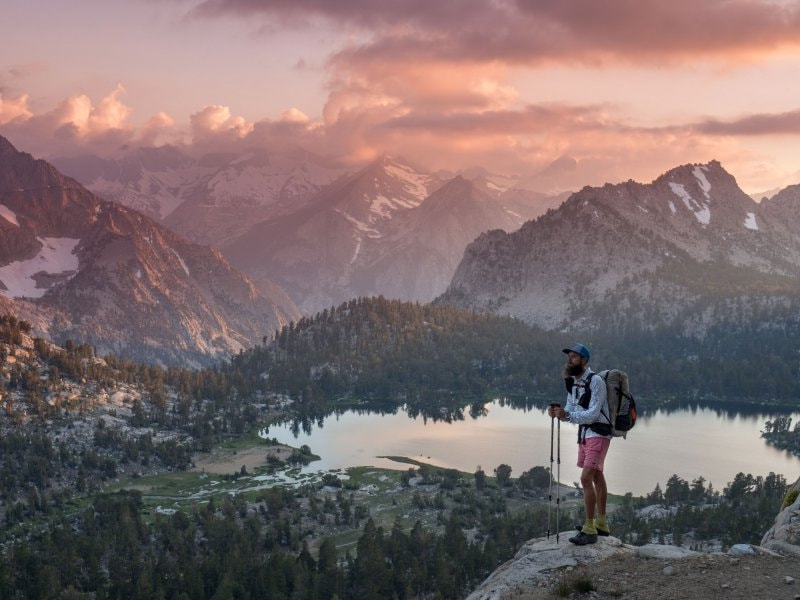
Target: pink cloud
787	123
432	79
12	109
159	129
77	124
443	121
529	32
215	125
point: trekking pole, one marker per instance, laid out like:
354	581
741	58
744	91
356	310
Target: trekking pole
550	490
558	480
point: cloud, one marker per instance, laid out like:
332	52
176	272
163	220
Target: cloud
786	123
443	117
434	80
159	129
294	115
14	73
12	109
531	32
78	125
216	125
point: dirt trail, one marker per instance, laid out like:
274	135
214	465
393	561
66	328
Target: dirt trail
706	576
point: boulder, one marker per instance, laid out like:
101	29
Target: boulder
784	536
536	561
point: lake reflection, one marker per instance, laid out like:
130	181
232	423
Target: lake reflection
689	442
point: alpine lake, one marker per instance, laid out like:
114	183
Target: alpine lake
689	441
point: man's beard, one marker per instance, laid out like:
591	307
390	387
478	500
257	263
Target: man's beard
572	370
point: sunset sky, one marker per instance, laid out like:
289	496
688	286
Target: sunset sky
626	88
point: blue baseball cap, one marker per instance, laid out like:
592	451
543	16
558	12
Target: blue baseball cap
578	349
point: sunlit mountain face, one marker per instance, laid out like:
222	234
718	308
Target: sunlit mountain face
81	267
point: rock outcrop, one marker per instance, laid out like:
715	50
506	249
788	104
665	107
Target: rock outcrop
540	563
537	562
784	536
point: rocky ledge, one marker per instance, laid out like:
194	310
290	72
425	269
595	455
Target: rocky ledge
547	568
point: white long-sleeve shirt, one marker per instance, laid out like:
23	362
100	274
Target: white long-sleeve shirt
598	404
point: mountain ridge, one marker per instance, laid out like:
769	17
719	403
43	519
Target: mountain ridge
386	230
81	267
608	249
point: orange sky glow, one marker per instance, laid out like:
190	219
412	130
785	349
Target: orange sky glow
625	89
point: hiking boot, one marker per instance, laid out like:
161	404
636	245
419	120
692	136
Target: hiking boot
602	532
584	538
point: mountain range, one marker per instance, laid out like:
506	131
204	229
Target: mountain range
209	199
323	234
688	251
77	266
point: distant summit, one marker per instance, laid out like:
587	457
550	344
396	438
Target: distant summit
388	229
211	198
675	252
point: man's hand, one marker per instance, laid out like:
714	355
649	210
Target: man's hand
556	410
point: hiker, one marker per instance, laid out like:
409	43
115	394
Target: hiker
586	407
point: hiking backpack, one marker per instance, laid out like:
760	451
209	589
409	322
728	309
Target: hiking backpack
621	405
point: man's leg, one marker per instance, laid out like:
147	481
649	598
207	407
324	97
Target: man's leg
588	532
601	495
590	495
595	492
601	491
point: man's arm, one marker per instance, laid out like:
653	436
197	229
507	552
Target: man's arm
592	414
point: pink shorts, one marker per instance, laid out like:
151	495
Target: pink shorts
592	454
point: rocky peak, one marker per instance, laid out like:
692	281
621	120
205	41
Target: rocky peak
783	206
615	239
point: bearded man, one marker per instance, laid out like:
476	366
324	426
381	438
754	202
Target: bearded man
587	407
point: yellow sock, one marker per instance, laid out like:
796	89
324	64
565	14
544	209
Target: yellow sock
601	523
589	528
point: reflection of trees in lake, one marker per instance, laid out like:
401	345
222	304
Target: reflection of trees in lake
449	409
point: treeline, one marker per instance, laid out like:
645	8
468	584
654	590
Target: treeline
233	547
226	549
780	434
425	356
377	353
428	356
697	515
44	389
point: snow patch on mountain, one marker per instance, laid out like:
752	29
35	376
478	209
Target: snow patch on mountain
180	260
360	226
357	250
55	259
701	211
705	185
750	222
8	215
381	207
414	182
